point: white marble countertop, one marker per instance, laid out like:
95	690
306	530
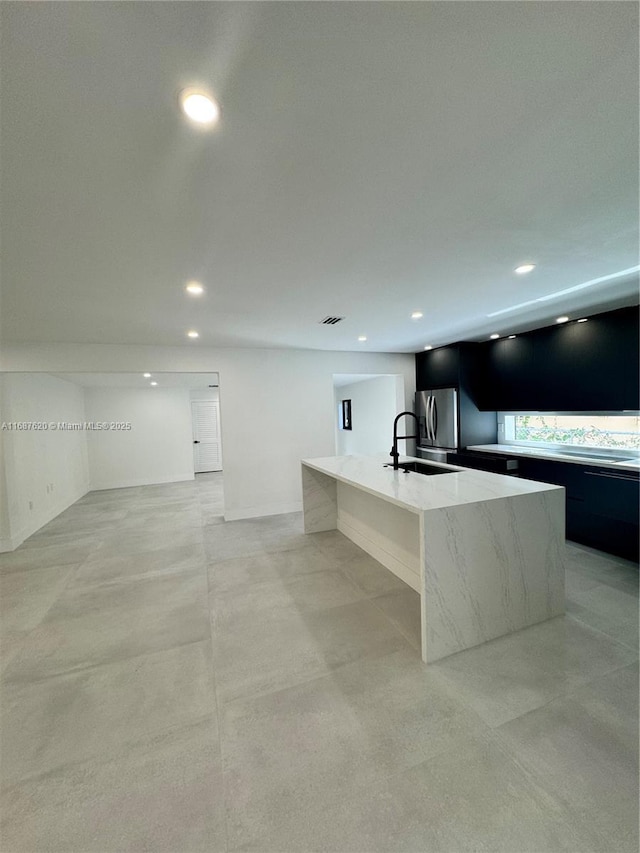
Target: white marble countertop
420	492
556	456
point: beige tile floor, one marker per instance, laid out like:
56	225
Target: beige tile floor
171	682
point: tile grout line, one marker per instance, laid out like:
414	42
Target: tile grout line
600	631
16	683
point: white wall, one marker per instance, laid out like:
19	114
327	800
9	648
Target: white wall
45	470
6	543
277	406
374	405
157	449
204	394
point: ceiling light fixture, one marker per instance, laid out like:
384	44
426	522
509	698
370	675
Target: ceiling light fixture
193	334
429	347
362	338
511	337
199	106
559	293
194	288
523	269
417	315
147	375
562	320
583	320
495	336
154	383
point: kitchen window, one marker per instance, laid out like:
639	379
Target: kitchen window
551	429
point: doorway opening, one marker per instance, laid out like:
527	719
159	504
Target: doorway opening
205	426
102	432
365	406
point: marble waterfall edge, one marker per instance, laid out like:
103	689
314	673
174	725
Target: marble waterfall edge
491	569
491	547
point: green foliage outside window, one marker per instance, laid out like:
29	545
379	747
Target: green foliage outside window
597	431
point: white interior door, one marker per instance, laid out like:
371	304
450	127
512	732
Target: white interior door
207	453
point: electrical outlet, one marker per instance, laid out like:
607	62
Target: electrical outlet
30	504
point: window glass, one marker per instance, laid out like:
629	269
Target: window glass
614	431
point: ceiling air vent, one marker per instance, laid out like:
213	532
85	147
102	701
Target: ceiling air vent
331	321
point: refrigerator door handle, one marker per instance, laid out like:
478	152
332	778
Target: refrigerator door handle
432	436
434	419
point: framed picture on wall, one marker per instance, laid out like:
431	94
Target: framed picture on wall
346	414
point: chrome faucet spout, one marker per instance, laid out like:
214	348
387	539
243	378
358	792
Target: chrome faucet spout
394	450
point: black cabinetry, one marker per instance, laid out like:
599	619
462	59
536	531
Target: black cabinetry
496	463
438	368
461	366
590	366
603	504
511	379
572	367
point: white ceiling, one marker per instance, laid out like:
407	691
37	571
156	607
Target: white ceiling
194	381
372	159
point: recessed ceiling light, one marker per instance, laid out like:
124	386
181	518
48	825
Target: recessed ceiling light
417	315
362	338
154	383
194	288
429	347
523	269
495	337
562	320
199	106
193	334
511	337
147	375
583	320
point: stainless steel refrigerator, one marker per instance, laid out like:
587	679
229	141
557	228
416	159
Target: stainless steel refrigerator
437	412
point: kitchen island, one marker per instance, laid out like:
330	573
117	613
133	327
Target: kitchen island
484	551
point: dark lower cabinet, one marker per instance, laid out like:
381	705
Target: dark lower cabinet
495	463
603	504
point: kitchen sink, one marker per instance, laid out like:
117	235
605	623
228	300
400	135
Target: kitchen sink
421	468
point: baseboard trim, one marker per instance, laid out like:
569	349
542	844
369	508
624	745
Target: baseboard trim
8	544
144	481
41	519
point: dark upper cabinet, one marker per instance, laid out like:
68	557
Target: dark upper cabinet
512	377
460	366
573	367
438	368
590	366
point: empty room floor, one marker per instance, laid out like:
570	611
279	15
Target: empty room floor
172	682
